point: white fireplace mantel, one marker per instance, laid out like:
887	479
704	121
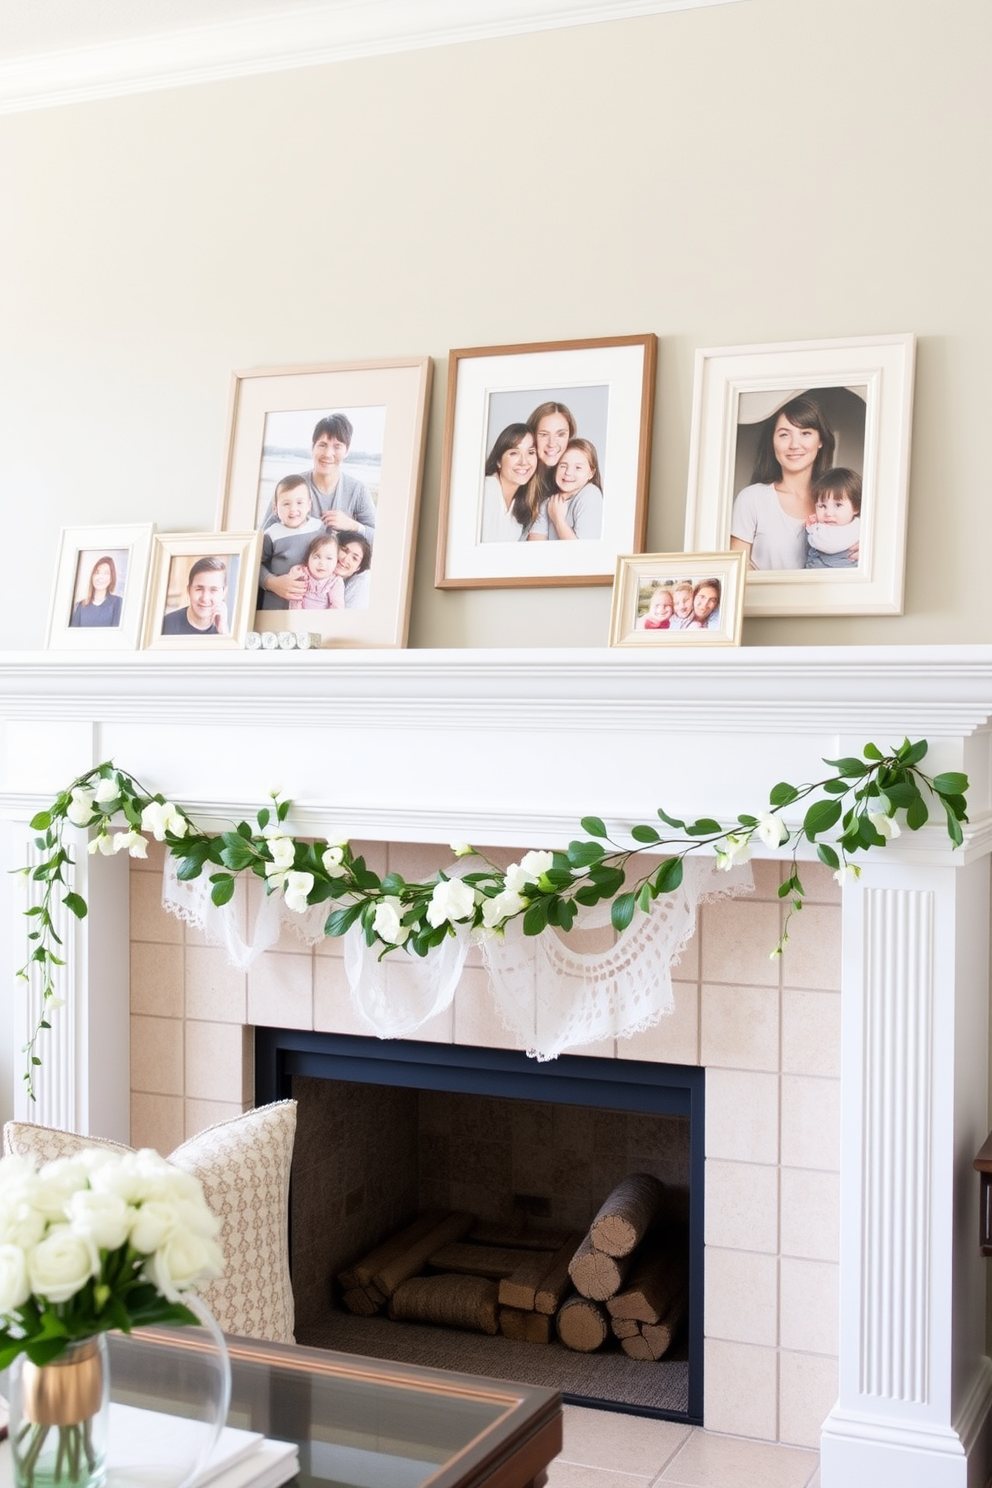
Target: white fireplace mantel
512	747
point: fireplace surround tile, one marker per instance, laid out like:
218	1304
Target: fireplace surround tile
810	1033
742	1390
157	975
809	1302
810	1122
280	990
157	1121
736	938
807	1391
741	1296
810	1224
157	1055
215	990
813	957
332	1007
218	1062
149	921
742	1116
675	1039
742	1205
739	1027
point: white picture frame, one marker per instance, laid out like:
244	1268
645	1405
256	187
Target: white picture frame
603	391
74	623
175	559
736	389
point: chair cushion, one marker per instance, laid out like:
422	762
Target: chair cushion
244	1166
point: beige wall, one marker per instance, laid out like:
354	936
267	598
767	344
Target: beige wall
737	174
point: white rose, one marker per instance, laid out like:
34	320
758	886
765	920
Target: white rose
153	1222
332	861
884	825
108	790
181	1262
62	1264
386	924
339	838
56	1183
21	1224
847	873
14	1286
771	829
160	817
501	907
737	850
102	844
450	900
536	863
297	887
80	808
461	849
103	1218
283	850
133	842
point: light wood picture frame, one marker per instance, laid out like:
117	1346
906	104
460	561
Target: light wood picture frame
98	596
544	474
363	472
661	600
852	400
201	595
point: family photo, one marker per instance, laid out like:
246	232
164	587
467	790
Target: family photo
663	600
316	509
798	478
543	476
98	597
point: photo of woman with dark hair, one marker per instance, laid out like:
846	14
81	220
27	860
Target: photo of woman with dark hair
769	517
509	470
101	609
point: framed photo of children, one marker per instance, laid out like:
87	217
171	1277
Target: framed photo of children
800	459
101	574
201	596
545	463
662	600
326	464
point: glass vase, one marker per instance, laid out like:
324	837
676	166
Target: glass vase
59	1417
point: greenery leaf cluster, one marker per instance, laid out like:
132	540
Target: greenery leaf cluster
860	806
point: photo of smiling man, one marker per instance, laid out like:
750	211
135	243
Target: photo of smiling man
205	612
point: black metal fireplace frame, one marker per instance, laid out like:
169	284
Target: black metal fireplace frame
611	1084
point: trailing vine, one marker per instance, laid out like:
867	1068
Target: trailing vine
862	804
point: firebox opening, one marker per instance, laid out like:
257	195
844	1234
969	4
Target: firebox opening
389	1130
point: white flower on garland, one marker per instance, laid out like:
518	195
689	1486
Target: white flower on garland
108	790
884	825
159	817
283	850
133	842
497	910
737	850
296	887
528	870
451	900
461	849
771	829
332	861
847	873
80	808
386	923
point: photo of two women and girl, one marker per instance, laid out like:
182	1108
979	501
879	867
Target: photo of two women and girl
543	480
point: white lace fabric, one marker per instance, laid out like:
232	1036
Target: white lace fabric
550	995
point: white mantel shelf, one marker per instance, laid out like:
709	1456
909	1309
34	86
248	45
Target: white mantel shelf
513	747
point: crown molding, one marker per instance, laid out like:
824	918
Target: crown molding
332	31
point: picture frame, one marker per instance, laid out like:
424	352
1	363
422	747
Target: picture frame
106	617
196	575
661	600
861	395
597	392
368	474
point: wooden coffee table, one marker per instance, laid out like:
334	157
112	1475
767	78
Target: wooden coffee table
361	1422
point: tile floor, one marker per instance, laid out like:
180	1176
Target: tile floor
605	1449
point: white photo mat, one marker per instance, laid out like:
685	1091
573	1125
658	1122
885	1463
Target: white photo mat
883	366
628	372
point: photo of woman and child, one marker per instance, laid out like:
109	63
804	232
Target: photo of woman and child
318	528
800	510
542	481
99	590
679	604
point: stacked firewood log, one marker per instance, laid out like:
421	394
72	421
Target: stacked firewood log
446	1268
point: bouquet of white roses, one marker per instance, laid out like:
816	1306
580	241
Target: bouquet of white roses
100	1241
